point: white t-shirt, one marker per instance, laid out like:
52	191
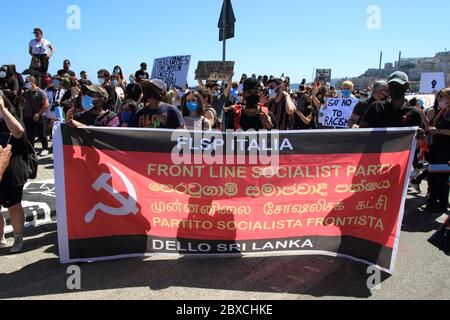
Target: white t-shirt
40	47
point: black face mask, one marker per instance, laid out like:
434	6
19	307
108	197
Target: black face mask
397	92
252	101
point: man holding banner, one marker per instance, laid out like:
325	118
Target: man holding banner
395	112
156	114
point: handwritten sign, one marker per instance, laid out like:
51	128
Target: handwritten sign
323	75
214	70
336	112
172	70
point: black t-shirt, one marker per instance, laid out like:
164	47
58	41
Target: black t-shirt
11	83
298	123
62	72
134	91
16	174
362	106
303	101
165	117
250	123
142	75
108	119
85	118
440	147
383	115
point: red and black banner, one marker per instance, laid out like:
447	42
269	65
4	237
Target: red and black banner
135	192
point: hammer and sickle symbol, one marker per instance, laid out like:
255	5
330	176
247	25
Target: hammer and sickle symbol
128	205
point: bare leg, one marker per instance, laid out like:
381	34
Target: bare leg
17	218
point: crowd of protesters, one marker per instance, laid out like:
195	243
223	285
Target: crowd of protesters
253	103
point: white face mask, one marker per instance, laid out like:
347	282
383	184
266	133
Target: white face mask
27	85
272	93
101	81
2	74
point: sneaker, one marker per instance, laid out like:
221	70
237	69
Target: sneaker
3	242
44	153
18	244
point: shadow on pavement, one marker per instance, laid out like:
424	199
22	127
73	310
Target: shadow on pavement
317	276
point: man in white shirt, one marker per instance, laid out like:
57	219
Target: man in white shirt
41	50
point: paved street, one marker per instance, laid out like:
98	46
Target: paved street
421	273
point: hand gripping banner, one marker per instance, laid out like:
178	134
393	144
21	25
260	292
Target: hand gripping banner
137	192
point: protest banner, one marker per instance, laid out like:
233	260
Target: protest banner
172	70
337	112
339	193
431	82
214	70
323	75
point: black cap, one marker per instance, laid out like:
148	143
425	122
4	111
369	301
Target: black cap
277	81
251	84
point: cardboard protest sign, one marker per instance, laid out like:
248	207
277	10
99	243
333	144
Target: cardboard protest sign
431	82
339	193
323	75
337	112
172	70
214	70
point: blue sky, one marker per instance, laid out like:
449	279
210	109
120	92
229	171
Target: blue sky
272	37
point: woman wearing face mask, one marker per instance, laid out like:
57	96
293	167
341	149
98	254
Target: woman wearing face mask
15	176
193	111
115	82
121	82
127	111
440	154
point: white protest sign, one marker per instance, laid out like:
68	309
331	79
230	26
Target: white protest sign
172	70
336	112
431	82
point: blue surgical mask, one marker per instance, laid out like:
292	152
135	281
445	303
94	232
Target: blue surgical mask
131	79
126	116
114	83
216	93
2	74
346	93
56	82
192	106
101	81
27	85
87	103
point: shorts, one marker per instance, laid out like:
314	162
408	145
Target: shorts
10	196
